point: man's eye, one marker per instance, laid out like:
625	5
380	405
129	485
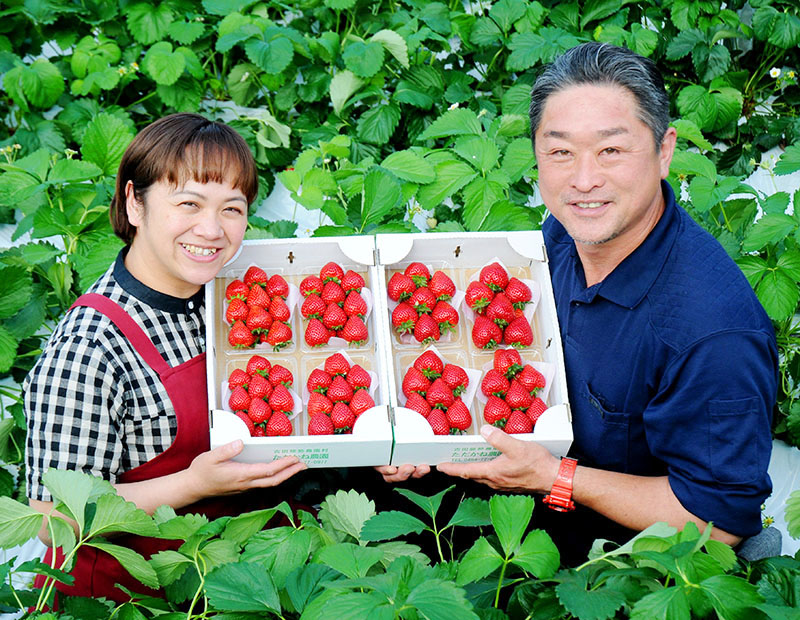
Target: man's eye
611	150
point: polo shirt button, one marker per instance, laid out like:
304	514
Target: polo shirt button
191	305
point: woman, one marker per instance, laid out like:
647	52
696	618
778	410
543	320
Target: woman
120	388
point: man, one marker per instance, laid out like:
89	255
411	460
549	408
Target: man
671	361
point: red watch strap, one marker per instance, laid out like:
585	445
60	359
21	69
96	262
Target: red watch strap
560	497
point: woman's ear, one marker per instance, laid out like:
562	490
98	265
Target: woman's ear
134	208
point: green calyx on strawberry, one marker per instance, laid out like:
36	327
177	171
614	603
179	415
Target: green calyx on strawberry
496	411
429	364
500	310
508	362
423	300
404	317
331	272
236	290
494	276
258	365
255	276
237	310
258	320
334	317
418	273
494	383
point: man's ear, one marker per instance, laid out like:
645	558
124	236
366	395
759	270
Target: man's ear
666	151
134	208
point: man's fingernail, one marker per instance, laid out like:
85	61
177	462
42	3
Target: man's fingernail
392	470
486	431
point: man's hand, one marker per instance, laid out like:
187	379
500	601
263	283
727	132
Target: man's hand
523	465
391	473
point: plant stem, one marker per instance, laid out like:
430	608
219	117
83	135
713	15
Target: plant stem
500	584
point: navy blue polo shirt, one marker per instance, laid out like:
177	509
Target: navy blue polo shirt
671	367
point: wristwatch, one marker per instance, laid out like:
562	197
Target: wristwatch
560	496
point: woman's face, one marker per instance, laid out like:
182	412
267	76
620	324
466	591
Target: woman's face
184	235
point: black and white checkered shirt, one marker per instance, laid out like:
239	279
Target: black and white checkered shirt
91	402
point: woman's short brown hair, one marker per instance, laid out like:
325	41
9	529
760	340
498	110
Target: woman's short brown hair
176	149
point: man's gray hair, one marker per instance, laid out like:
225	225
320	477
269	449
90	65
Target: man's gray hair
605	64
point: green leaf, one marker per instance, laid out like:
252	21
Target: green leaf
438	599
479	197
234	29
8	349
451	176
42	83
667	604
683	44
94	252
455	122
688	163
730	595
73	171
394	44
226	7
510	517
382	193
147	22
789	161
305	583
518	159
472	511
789	263
363	59
688	130
73	489
343	85
506	12
164	65
793	514
241	527
588	604
479	151
529	49
430	504
479	561
485	33
114	514
347	511
16	286
776	203
779	295
785	31
351	560
185	32
409	166
272	56
770	229
242	587
378	123
436	16
169	565
280	550
18	523
134	563
340	5
105	141
642	40
753	267
538	555
390	524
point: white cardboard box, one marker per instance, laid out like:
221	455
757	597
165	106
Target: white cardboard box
387	433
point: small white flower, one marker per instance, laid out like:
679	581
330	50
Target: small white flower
453	107
774	72
245	75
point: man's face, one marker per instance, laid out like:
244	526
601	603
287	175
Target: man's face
599	172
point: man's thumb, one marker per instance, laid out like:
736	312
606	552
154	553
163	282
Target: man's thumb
497	438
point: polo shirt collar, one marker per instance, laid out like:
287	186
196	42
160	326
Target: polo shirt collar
152	297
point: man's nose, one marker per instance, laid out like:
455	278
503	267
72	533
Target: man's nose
586	173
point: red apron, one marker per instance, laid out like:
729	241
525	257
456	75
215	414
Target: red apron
95	571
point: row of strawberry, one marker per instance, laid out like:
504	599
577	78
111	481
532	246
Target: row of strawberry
257	311
338	395
333	306
511	387
260	397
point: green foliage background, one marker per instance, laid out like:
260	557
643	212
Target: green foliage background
370	112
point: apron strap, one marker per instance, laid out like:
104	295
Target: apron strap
129	328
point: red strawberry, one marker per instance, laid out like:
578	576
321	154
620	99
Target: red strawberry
240	337
258	320
429	364
361	401
279	336
436	418
442	286
446	316
277	287
417	403
494	383
259	411
319	403
485	333
332	293
317	334
518	293
500	310
237	310
340	390
259	431
496	411
456	378
494	276
313	307
419	273
318	381
404	317
258	297
518	333
531	379
310	285
239	399
507	362
334	317
439	395
458	416
258	364
358	378
518	397
354	304
400	287
259	387
320	424
236	289
279	425
279	310
426	330
355	331
281	399
518	422
238	378
342	417
331	272
423	301
281	374
352	281
415	381
255	276
337	364
478	296
246	419
536	409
